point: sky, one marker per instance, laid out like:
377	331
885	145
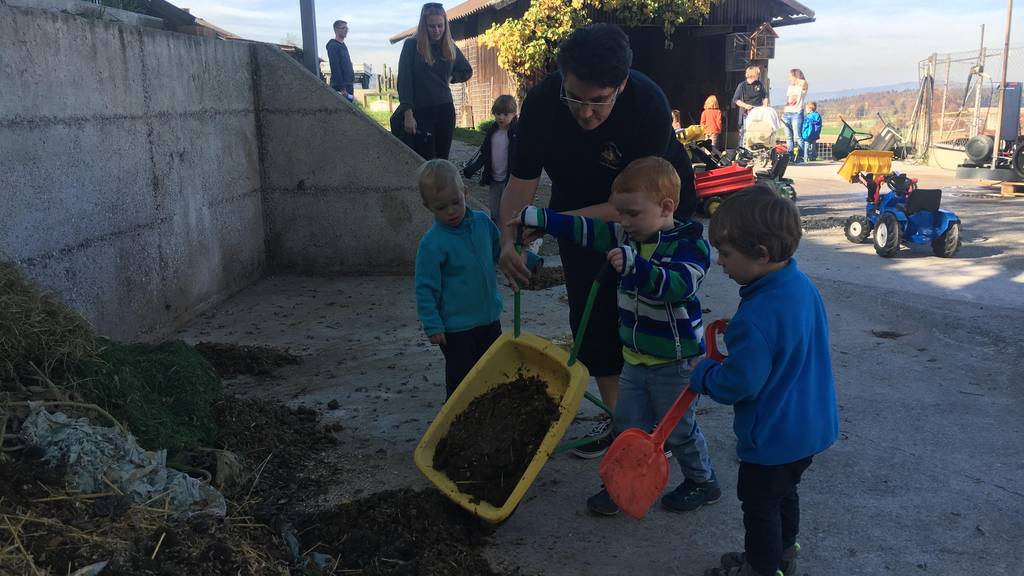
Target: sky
852	44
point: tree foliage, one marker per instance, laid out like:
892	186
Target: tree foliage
526	46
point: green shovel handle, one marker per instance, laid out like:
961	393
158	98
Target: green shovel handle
606	271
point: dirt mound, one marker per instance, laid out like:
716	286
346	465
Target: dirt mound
45	530
400	533
233	360
284	450
546	278
490	444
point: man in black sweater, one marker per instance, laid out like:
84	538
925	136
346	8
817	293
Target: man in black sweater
343	77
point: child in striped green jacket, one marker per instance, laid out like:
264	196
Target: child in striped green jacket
661	263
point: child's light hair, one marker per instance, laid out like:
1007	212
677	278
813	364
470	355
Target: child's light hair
753	70
711	103
436	175
504	104
757	217
813	106
653	176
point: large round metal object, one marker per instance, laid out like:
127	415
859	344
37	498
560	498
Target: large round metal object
979	149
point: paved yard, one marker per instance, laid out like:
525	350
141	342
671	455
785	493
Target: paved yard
927	478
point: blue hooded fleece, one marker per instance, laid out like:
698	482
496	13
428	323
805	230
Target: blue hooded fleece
778	374
456	282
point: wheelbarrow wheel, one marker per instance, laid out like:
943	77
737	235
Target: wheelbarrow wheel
857	229
887	236
947	245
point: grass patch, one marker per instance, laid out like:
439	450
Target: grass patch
469	136
164	393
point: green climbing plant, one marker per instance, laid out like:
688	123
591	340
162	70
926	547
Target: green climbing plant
526	46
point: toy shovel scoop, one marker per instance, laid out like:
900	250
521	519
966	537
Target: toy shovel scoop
634	470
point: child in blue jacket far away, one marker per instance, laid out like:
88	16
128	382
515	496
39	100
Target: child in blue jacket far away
811	131
778	375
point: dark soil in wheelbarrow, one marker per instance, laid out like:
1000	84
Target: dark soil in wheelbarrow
491	443
546	278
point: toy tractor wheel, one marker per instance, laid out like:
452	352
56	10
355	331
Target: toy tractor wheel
857	229
887	236
947	245
711	205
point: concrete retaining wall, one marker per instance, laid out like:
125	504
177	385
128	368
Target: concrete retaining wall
146	174
339	190
129	167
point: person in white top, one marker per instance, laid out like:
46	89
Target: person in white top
793	112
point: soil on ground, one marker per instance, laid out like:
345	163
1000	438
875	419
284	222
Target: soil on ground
399	533
489	445
233	360
546	278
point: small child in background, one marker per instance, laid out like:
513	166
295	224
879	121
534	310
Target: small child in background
457	296
811	131
495	153
711	120
777	377
661	264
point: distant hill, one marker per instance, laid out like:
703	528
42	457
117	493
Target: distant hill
778	93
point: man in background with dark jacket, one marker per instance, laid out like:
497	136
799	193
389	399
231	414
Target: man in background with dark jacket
343	77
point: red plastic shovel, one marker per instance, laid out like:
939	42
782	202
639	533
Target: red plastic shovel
634	470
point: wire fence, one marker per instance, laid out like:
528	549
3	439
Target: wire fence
958	96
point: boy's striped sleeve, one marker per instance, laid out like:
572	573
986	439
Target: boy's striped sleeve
672	280
588	232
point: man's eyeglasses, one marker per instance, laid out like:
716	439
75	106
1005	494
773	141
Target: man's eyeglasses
575	104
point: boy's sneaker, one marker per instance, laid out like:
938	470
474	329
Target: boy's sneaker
788	568
741	570
690	495
603	432
602	504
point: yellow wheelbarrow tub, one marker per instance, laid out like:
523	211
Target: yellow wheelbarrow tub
498	366
867	161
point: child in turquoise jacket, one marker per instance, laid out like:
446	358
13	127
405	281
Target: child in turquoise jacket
457	296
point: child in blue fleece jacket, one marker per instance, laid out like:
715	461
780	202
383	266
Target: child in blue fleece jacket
778	375
457	294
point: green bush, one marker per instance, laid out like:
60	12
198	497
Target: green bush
485	125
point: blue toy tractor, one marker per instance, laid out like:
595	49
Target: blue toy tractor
905	214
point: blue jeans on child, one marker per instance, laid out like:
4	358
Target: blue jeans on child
645	394
793	122
810	150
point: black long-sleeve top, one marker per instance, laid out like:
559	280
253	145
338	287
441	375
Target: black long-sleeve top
420	85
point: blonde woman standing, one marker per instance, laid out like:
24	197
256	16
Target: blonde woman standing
793	112
430	61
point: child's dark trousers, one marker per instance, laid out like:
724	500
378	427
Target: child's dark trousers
463	350
771	511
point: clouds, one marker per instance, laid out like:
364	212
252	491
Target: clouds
852	44
872	43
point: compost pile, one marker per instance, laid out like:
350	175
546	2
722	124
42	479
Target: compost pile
271	463
491	443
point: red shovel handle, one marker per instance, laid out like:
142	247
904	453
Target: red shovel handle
682	403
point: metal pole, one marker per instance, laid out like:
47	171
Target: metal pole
942	115
978	85
1002	87
310	56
